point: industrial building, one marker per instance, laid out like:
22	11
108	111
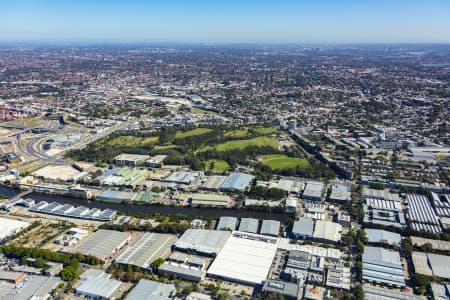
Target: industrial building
131	160
116	196
249	225
338	276
421	214
213	183
327	232
183	177
206	242
382	266
245	258
9	227
340	193
227	223
270	227
431	264
147	249
155	161
96	284
152	290
237	182
79	212
210	199
375	293
289	290
380	194
125	177
288	185
303	228
183	266
34	287
313	191
379	236
103	243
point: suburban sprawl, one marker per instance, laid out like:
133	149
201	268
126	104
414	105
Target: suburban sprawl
144	172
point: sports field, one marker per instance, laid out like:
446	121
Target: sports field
282	162
242	144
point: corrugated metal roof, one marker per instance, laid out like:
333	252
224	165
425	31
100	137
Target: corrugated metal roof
151	290
270	227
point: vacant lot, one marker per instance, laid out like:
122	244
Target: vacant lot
197	131
133	141
281	162
242	144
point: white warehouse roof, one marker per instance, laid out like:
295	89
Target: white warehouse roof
245	258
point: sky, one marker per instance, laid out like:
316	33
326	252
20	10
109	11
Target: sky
230	21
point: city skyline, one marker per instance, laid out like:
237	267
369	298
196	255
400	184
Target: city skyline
226	22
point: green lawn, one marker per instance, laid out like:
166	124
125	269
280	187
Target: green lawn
242	144
133	141
265	130
280	162
220	166
197	131
241	133
165	147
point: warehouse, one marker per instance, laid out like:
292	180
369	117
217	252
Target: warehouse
245	258
313	191
287	185
237	182
374	293
206	242
152	290
125	177
420	209
116	196
147	249
382	266
183	177
249	225
131	160
327	232
227	223
303	228
185	267
340	193
270	227
9	227
379	236
380	194
80	212
96	284
432	264
210	200
442	208
103	243
213	183
288	289
339	277
155	161
34	287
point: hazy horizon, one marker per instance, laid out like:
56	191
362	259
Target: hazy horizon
230	22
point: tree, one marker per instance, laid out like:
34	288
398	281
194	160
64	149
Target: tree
359	293
157	263
68	273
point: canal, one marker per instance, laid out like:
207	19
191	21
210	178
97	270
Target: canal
284	218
